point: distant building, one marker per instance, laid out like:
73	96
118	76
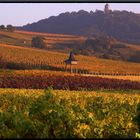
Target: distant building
107	9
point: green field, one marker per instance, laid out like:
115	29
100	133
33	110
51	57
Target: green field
27	113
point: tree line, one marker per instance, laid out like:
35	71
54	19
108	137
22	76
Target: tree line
9	27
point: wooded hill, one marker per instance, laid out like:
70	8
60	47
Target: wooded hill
122	25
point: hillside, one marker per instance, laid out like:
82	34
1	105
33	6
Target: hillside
17	57
23	38
122	25
101	47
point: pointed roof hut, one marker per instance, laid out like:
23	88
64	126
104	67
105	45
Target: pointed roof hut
71	61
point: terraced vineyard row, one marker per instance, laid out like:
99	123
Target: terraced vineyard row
18	37
65	82
60	73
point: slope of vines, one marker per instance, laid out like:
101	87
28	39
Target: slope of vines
67	114
29	58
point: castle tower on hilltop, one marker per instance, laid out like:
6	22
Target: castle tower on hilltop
107	9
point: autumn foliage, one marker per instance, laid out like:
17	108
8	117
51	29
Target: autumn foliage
65	82
27	113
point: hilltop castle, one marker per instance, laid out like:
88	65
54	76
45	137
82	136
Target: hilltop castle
107	9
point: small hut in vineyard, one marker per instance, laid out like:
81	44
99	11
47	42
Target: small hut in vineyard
70	61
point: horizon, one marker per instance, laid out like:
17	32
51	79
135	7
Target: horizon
27	13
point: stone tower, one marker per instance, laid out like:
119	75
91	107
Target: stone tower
107	9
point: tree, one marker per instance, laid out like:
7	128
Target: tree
2	27
38	42
10	28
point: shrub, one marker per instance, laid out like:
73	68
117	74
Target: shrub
38	42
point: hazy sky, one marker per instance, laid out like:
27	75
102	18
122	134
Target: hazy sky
22	13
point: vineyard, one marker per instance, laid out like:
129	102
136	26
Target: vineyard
66	82
17	57
39	99
17	38
67	114
132	78
60	73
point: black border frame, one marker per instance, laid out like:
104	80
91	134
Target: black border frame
69	1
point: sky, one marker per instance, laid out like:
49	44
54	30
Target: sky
19	14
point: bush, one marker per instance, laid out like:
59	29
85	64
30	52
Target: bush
38	42
10	28
2	27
